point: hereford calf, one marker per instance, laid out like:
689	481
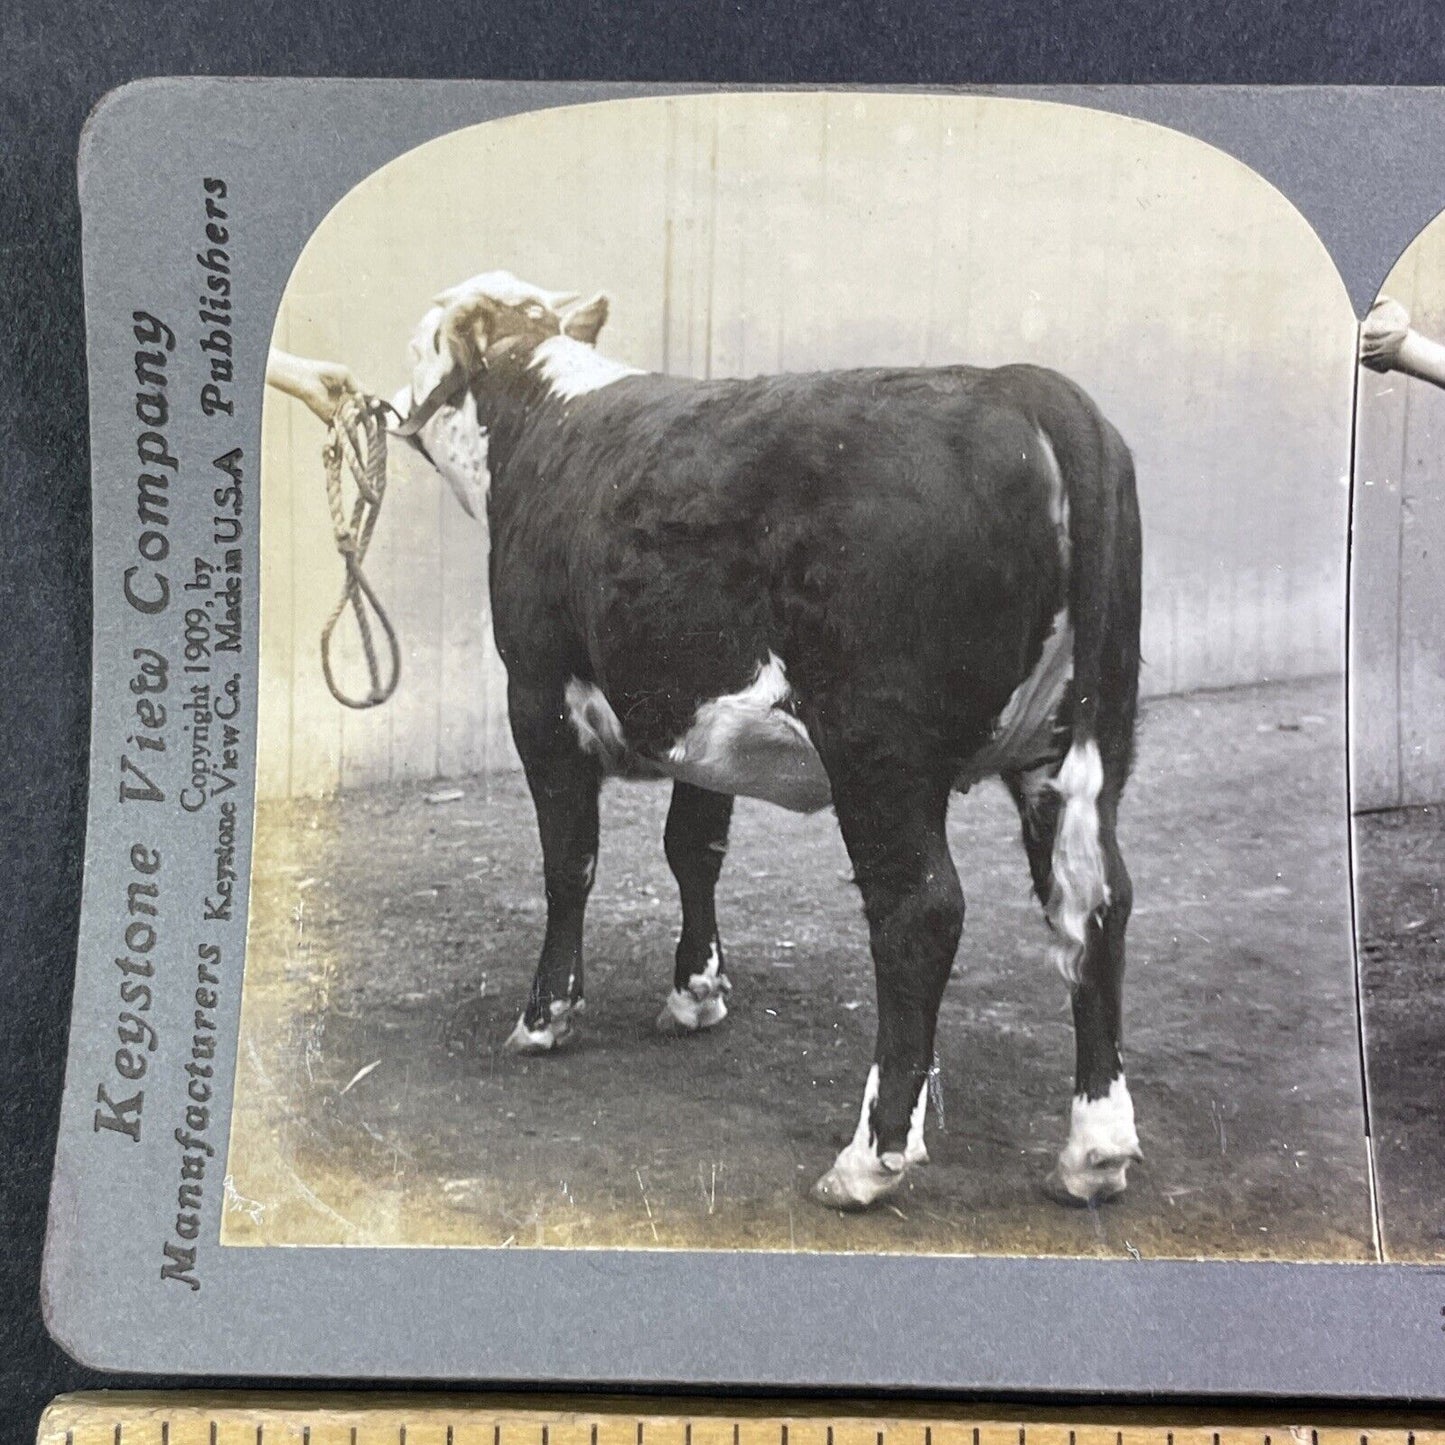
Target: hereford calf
865	589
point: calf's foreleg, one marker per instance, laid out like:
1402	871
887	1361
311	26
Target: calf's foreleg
564	783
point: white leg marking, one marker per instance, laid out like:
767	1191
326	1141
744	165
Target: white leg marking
1094	1164
860	1175
552	1035
916	1151
1080	888
702	1004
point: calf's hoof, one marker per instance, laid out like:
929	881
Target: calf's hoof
1090	1181
860	1178
1094	1165
701	1005
551	1035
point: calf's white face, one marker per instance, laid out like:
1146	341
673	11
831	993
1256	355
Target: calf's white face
447	350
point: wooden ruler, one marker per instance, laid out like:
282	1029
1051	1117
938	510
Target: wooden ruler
134	1418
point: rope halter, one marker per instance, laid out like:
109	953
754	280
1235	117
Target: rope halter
356	444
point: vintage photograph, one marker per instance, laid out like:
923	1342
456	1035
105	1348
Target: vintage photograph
765	600
1397	639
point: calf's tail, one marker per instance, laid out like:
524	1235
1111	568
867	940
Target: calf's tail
1098	483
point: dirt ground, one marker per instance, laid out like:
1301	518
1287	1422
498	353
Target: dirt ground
393	940
1400	857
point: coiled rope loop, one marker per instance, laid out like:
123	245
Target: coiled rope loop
356	441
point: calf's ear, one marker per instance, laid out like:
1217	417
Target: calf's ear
467	331
583	322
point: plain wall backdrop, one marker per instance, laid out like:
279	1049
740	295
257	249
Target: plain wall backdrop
752	233
1397	692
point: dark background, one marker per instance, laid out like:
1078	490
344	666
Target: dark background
57	59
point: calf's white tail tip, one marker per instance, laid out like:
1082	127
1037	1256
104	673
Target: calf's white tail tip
1080	887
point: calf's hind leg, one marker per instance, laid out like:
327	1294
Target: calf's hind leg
1093	1165
564	782
893	818
696	840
